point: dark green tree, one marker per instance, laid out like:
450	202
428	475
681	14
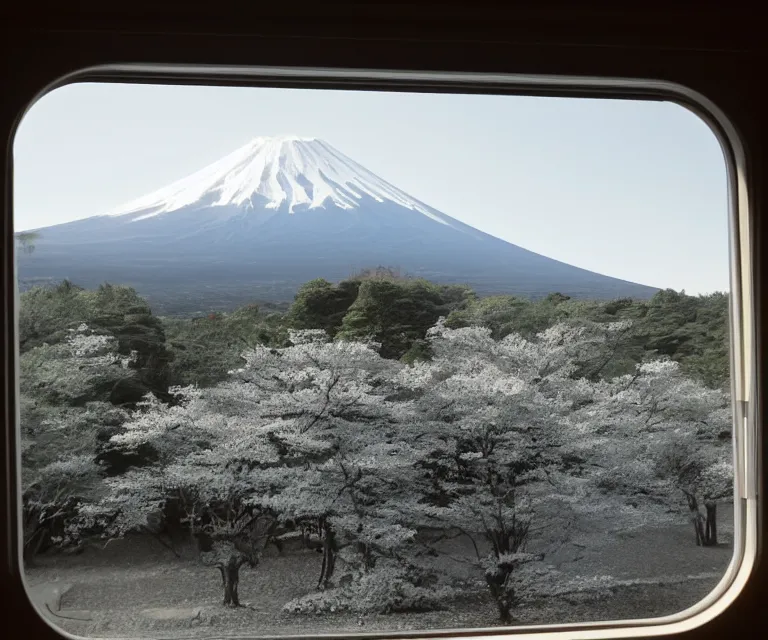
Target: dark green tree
205	349
398	313
322	305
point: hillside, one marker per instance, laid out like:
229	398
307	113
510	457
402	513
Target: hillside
279	212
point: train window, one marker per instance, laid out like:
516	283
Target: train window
301	360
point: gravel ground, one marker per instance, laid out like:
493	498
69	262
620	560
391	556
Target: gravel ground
118	583
474	612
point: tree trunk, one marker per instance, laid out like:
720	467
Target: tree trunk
710	538
698	528
505	616
230	575
32	530
502	596
696	518
369	560
329	555
704	526
32	546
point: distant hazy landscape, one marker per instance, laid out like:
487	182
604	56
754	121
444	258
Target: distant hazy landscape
277	213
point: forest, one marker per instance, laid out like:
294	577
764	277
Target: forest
374	421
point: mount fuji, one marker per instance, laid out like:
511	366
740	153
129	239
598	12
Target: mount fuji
281	211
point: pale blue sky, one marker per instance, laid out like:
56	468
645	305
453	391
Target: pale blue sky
634	190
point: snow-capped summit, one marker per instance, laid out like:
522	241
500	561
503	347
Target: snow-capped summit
294	171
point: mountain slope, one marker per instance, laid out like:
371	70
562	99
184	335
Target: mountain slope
278	212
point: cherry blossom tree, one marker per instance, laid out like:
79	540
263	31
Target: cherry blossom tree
284	440
665	435
201	469
497	446
327	413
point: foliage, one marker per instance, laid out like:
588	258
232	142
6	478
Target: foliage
373	411
663	436
387	589
496	444
492	440
378	304
47	314
205	349
65	393
264	443
692	330
397	313
322	305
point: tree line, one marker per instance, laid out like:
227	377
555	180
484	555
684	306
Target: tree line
397	312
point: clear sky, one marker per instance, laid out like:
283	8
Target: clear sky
634	190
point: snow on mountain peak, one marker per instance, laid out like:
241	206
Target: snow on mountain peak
273	172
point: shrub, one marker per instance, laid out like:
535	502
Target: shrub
384	590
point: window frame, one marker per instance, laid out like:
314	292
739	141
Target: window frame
744	372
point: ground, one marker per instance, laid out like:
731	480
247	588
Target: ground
139	588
